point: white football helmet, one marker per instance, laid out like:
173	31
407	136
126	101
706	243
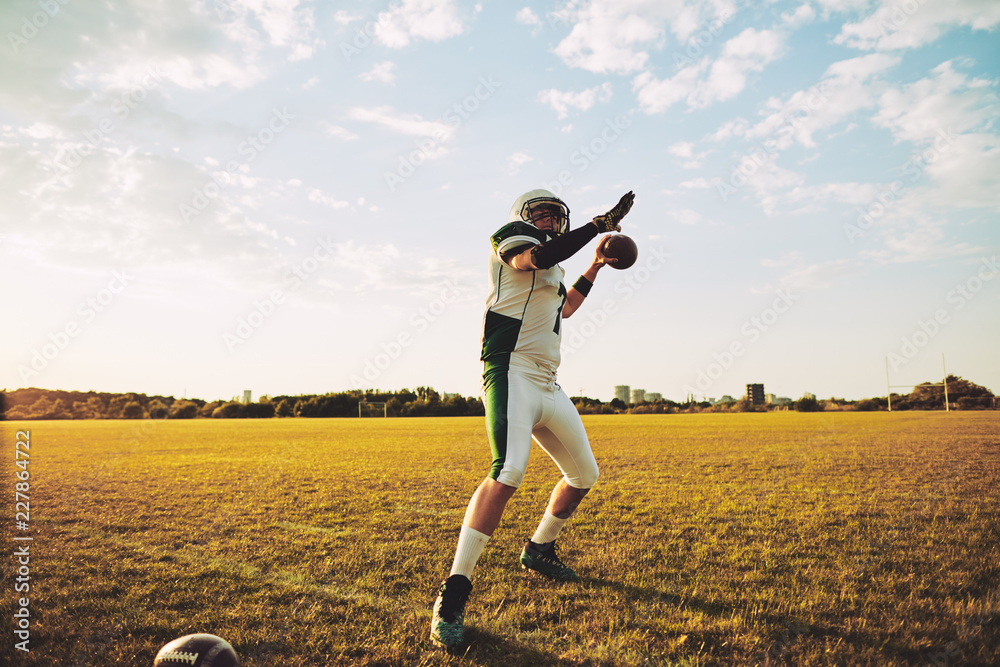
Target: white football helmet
530	204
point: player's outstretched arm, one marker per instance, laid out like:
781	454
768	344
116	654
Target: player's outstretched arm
564	246
548	254
579	291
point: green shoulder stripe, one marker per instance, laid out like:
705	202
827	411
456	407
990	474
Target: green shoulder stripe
517	229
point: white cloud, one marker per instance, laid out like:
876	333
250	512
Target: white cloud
527	17
917	238
731	128
947	99
433	20
561	102
699	184
410	124
516	161
831	6
685	149
681	149
769	183
42	131
122	209
811	198
906	25
345	18
657	95
609	36
338	132
90	58
847	87
804	277
947	117
803	15
381	72
316	195
959	174
750	51
284	21
686	216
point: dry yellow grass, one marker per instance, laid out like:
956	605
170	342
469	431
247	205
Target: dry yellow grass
710	539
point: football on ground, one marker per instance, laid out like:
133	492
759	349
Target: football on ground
199	650
622	248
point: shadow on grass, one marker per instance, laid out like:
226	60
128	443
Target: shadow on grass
492	649
788	639
710	608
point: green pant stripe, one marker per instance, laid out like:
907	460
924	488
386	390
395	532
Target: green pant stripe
495	393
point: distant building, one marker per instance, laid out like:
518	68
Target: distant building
726	399
246	396
622	392
755	394
638	396
654	396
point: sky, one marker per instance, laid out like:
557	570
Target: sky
296	197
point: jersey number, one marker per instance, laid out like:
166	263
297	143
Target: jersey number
562	293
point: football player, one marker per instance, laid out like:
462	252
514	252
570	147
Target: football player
520	353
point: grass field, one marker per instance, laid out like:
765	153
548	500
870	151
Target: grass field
845	538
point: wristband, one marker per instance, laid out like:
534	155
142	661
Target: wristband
582	285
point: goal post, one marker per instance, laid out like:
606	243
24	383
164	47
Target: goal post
372	409
943	383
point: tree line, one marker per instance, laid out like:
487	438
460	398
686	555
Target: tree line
34	403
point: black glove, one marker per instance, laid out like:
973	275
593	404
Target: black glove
609	221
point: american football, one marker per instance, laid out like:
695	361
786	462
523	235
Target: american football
622	248
198	650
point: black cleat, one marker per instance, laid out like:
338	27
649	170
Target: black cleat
543	560
448	622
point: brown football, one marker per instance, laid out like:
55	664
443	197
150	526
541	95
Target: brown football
622	248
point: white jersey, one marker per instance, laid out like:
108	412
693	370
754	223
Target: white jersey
524	309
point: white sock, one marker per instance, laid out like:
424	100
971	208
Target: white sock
548	529
470	547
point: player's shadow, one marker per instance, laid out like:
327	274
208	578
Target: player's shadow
493	649
710	608
782	644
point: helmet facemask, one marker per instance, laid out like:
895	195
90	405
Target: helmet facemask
534	210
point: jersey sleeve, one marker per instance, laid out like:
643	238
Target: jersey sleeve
516	234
